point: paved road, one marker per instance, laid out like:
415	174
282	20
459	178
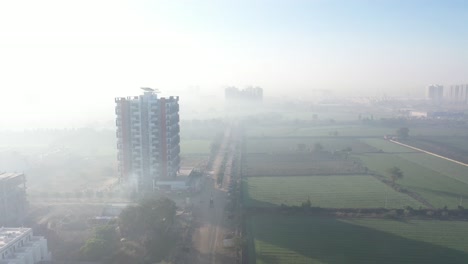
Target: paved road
210	222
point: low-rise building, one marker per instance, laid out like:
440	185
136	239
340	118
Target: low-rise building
20	246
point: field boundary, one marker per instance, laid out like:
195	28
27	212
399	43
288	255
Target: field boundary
399	189
430	153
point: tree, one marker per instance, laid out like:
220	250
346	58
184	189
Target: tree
395	173
149	223
94	249
403	132
102	244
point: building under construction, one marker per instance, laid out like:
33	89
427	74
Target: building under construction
13	202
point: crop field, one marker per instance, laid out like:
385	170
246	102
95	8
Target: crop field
386	146
280	145
458	143
438	181
337	191
319	131
195	147
303	239
378	131
438	131
299	164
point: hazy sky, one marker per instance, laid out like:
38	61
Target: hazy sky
63	62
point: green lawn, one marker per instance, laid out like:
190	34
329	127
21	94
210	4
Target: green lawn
304	239
338	191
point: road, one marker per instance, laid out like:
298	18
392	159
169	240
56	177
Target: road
210	223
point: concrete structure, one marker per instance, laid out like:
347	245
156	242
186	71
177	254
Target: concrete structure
20	246
435	93
13	204
456	94
147	139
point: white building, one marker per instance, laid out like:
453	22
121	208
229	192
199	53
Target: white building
456	94
20	246
147	139
435	93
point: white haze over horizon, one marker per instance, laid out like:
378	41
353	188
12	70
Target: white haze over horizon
63	62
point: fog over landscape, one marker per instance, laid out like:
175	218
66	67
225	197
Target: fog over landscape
78	56
233	132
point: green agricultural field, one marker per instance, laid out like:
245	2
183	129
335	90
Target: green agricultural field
438	181
445	167
460	143
386	146
345	131
305	239
338	191
280	145
442	131
270	131
195	146
293	164
319	131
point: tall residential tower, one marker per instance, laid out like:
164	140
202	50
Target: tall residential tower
147	138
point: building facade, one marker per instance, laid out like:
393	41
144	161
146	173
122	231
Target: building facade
435	93
147	139
456	94
13	203
20	246
249	94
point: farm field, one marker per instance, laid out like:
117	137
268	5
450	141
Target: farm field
438	181
456	142
294	164
377	131
195	147
337	191
279	145
305	239
319	131
386	146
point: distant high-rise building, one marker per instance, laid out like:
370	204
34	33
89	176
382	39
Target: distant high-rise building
435	93
147	138
237	97
13	203
457	94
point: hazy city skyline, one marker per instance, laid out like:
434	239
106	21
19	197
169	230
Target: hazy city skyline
63	60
